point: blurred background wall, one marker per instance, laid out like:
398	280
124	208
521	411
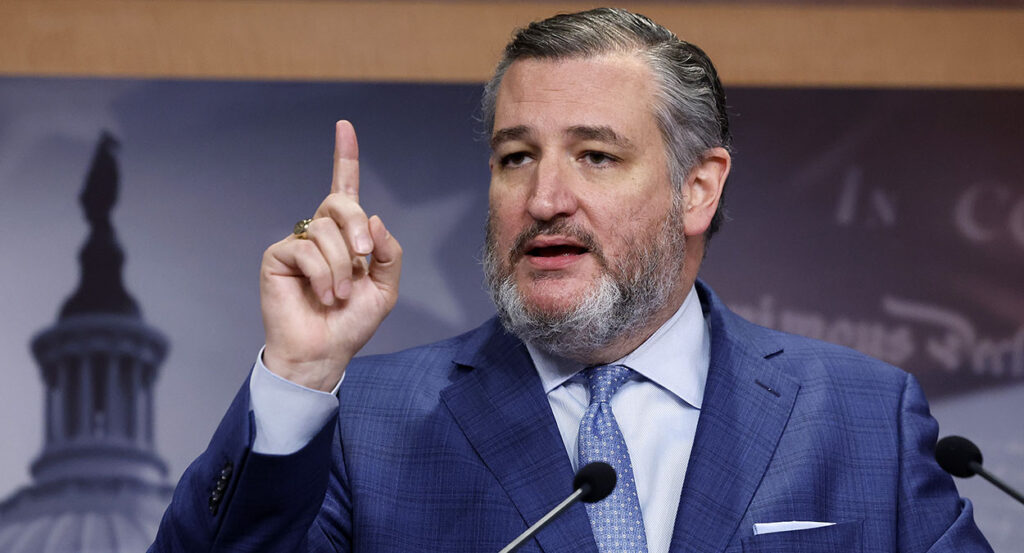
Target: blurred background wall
953	43
225	107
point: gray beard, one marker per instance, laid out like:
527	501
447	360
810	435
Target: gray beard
623	301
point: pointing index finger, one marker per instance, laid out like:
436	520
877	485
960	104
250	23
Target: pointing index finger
346	160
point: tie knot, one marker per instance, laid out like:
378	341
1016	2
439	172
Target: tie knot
605	380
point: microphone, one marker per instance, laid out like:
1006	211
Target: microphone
595	482
592	483
960	457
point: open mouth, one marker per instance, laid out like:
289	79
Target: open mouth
556	251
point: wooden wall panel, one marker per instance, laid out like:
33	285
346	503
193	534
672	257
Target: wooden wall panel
794	45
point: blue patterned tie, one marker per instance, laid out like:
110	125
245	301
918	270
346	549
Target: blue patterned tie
616	520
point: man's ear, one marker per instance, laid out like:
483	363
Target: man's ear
703	190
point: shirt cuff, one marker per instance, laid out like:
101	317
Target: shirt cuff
287	415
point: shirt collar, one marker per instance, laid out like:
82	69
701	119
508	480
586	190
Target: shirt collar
675	357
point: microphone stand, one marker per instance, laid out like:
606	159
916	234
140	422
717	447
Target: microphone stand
559	509
977	468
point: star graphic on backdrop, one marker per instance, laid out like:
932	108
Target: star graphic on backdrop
422	229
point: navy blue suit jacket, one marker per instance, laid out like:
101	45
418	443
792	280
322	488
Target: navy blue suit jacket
453	447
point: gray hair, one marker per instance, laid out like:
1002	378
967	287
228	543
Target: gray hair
690	101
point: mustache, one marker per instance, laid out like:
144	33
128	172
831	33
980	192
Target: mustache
562	227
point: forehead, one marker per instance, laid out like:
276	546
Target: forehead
612	90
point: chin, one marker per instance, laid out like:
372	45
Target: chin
549	309
553	297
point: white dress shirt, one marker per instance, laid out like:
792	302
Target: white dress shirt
657	411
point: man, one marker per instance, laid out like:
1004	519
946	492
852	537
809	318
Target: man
609	143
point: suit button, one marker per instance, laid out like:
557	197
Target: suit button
219	486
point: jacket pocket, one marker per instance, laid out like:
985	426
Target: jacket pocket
842	537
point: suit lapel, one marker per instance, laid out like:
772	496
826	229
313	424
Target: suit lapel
747	402
500	405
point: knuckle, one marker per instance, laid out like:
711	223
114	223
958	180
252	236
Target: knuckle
308	251
319	226
337	200
279	244
274	249
321	276
319	273
328	205
345	207
341	266
269	252
304	247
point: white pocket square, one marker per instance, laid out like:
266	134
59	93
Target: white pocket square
788	526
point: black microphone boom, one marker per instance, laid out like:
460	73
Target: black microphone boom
593	482
960	457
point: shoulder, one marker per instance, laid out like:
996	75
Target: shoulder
812	363
810	357
428	359
414	375
420	357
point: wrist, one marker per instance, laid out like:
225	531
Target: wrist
321	375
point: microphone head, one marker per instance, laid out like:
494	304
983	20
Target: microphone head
955	453
597	480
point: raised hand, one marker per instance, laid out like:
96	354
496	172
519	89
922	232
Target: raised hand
321	300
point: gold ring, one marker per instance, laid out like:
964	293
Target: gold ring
301	229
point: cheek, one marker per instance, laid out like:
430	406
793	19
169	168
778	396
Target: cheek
631	225
505	213
615	215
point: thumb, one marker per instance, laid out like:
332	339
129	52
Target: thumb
386	265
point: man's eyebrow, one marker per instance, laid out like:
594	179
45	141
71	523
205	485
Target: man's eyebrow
599	134
510	133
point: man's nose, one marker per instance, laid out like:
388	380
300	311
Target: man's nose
552	194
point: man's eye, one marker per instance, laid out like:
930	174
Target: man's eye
599	159
514	159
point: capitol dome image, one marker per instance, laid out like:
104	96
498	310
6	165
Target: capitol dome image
98	486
